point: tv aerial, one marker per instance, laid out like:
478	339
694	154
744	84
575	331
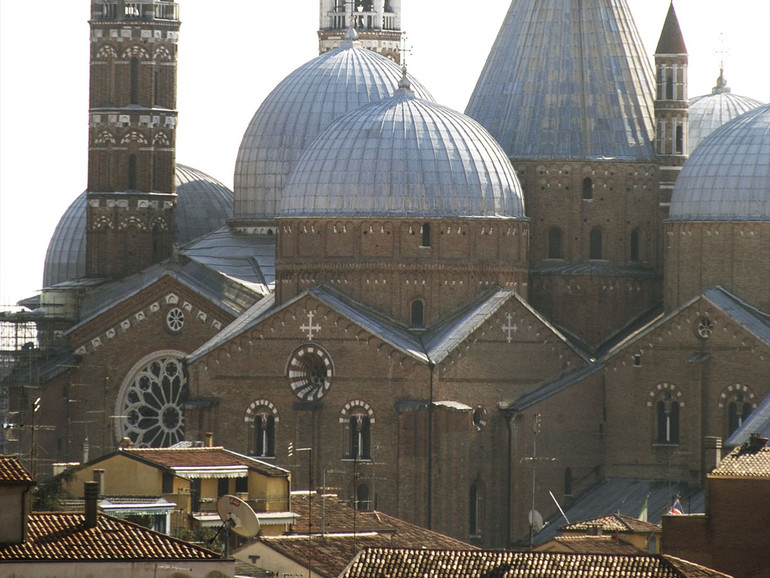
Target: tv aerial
236	515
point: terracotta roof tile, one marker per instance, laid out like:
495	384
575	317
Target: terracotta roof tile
200	458
582	544
382	563
333	516
63	536
12	472
611	524
746	461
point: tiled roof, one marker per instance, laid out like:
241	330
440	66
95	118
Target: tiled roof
63	536
379	563
200	458
332	516
12	472
582	544
745	462
612	523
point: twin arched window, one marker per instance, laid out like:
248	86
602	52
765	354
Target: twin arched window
666	402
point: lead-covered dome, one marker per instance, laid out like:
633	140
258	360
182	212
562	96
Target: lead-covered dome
728	175
296	111
203	205
404	156
710	111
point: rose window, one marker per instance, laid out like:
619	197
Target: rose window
150	408
175	319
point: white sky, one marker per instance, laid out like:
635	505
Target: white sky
232	53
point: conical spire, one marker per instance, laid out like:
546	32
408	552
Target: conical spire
671	40
567	80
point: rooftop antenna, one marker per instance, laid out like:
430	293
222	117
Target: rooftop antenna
535	518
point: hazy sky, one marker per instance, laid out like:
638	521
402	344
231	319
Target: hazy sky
232	53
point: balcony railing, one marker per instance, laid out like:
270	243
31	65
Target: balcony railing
136	10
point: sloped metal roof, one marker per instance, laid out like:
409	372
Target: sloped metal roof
203	204
250	258
297	110
626	496
568	80
403	156
727	178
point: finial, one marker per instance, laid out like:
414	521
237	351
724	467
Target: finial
722	51
404	84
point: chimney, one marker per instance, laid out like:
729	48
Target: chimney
99	479
712	453
91	492
756	442
209	439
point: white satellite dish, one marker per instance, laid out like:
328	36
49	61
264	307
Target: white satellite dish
535	520
239	515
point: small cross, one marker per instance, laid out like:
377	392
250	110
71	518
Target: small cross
510	328
309	328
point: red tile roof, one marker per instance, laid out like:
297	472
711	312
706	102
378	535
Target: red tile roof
418	563
12	472
746	461
200	458
63	536
612	524
583	544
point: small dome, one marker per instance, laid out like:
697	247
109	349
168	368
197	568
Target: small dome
203	205
404	156
710	111
302	105
728	175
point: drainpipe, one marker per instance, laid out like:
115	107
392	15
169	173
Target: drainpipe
509	480
431	367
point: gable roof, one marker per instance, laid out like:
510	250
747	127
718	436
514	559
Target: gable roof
196	462
63	537
751	460
13	472
613	523
434	344
404	563
585	544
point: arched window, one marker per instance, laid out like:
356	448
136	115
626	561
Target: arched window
475	508
425	230
134	96
362	498
568	482
588	189
739	401
360	437
132	173
554	243
418	312
263	416
737	413
679	140
634	253
595	250
264	436
667	415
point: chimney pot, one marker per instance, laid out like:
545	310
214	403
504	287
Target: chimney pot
91	493
209	439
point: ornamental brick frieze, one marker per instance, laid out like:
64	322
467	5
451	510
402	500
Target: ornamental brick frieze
129	33
171	302
131	120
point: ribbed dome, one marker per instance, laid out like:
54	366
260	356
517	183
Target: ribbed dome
296	111
203	205
710	111
567	80
728	175
404	156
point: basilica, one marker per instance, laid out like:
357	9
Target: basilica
465	320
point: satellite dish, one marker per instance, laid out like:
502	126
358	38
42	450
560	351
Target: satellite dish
239	515
535	520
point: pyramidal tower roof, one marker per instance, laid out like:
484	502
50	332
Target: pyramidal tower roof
671	40
568	79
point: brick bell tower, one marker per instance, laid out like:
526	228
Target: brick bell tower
671	103
132	135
